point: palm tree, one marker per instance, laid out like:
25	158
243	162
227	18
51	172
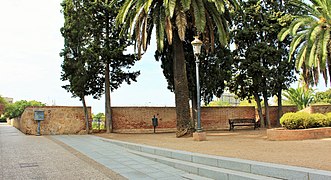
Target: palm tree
171	18
311	39
300	97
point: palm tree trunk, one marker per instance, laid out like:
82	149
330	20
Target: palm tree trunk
86	116
184	126
109	123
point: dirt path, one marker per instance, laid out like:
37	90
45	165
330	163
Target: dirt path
244	144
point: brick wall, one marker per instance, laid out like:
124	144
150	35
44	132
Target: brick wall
139	119
319	109
273	110
215	118
58	120
70	120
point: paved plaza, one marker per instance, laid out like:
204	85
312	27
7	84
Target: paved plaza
93	157
37	157
74	157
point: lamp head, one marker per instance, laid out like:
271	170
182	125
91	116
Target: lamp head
196	43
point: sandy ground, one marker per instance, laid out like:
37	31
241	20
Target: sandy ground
244	144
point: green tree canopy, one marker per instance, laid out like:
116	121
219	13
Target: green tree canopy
261	67
94	61
16	109
171	20
3	104
323	97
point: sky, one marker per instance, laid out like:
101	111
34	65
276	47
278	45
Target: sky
30	65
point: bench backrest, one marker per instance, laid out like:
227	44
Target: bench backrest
242	121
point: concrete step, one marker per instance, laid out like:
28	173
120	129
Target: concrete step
238	165
203	170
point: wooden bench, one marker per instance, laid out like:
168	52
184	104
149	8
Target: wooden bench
242	122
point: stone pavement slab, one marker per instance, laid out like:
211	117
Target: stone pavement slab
37	157
121	160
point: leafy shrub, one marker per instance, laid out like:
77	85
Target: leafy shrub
328	115
96	125
303	120
292	121
320	120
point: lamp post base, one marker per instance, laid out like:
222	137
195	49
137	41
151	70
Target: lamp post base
199	136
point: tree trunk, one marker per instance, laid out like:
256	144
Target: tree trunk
86	116
266	108
109	122
184	126
280	106
259	109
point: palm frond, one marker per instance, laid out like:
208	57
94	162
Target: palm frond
169	30
181	24
199	15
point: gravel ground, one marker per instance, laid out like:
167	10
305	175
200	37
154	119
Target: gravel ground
243	144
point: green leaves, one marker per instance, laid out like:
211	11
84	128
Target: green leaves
199	15
16	109
91	43
300	97
311	36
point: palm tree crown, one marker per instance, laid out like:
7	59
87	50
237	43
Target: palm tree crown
311	39
175	15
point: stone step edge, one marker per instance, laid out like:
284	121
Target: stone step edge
248	166
202	170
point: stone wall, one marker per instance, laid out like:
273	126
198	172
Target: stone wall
70	120
216	118
318	109
58	120
273	111
15	122
139	119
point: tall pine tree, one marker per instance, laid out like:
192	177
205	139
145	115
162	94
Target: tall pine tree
94	61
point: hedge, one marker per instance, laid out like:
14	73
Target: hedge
303	120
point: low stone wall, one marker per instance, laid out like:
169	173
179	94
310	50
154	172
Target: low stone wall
58	120
280	134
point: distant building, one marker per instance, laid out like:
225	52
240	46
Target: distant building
230	98
9	100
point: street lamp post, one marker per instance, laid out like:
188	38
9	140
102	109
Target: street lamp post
196	43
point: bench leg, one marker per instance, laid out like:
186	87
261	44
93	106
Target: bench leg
231	127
